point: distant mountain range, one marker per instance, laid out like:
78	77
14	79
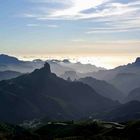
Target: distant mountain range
126	82
71	75
110	74
5	59
41	93
58	67
125	78
5	75
103	88
91	92
9	63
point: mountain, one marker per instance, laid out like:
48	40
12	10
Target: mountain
5	59
103	88
125	112
126	82
133	68
9	63
72	75
60	67
5	75
133	95
81	68
43	94
137	62
57	66
125	78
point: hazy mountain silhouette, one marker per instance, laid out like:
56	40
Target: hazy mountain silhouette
81	68
9	63
57	66
125	78
41	93
5	59
5	75
110	74
70	75
103	88
126	82
133	95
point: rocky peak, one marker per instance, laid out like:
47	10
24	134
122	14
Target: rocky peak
46	68
44	71
137	60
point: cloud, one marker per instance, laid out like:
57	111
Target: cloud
117	15
77	9
78	40
52	26
32	25
112	30
72	9
42	25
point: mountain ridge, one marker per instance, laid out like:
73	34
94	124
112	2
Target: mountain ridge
103	88
41	93
57	66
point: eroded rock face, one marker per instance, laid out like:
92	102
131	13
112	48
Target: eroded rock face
44	71
47	67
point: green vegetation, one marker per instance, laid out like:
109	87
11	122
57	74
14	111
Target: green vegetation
84	130
14	132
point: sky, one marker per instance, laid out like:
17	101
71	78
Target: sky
102	32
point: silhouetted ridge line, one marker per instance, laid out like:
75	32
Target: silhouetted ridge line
42	94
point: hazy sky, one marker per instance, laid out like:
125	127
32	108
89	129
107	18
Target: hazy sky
104	32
